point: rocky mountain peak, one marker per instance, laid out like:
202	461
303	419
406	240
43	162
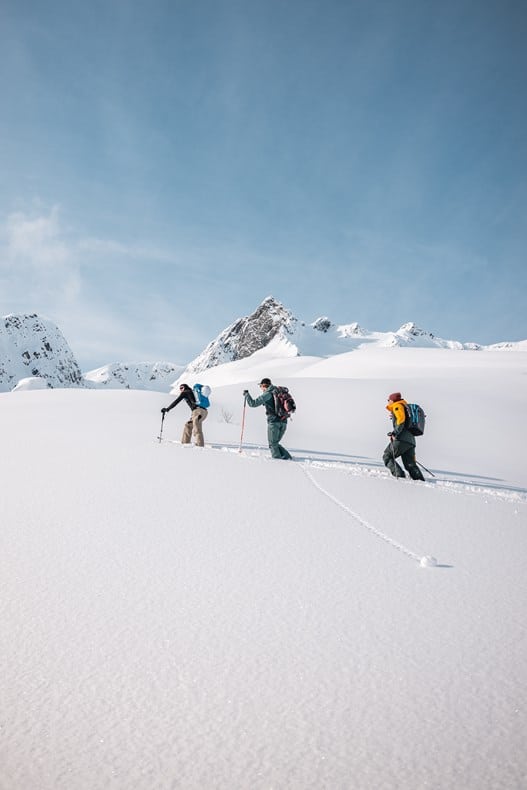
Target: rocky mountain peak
322	324
412	329
33	347
245	336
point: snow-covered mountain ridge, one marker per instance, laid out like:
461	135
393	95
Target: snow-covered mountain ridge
34	352
274	327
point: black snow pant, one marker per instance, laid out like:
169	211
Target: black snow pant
406	452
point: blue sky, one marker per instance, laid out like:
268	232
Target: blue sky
167	165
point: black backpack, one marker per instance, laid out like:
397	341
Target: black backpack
415	419
284	403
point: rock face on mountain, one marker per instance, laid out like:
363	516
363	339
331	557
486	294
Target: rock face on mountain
31	346
245	336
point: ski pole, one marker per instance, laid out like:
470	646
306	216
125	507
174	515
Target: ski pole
393	456
424	467
161	431
243	423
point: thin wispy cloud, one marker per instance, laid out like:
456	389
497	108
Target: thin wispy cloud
94	288
36	260
35	240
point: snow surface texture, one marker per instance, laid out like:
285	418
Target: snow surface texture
175	617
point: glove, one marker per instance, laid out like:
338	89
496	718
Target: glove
245	393
164	410
390	434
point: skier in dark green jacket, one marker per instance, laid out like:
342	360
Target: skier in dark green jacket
275	427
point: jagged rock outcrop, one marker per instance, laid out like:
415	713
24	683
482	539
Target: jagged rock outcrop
31	346
322	324
245	336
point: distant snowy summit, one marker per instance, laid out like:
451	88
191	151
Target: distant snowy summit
34	348
273	327
246	335
157	376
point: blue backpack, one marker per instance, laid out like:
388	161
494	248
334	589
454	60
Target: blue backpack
201	393
415	419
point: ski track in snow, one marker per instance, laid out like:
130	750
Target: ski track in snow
359	518
496	492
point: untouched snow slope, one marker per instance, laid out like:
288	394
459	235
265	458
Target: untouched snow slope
183	618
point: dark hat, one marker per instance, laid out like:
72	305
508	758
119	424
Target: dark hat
395	396
266	381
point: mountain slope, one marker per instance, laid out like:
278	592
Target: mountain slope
32	346
245	336
272	326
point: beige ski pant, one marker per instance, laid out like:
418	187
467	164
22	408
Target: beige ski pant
193	426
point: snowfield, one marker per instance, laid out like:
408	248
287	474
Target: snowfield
205	619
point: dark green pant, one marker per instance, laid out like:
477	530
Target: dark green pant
275	431
406	452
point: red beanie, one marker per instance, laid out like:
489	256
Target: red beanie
395	396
